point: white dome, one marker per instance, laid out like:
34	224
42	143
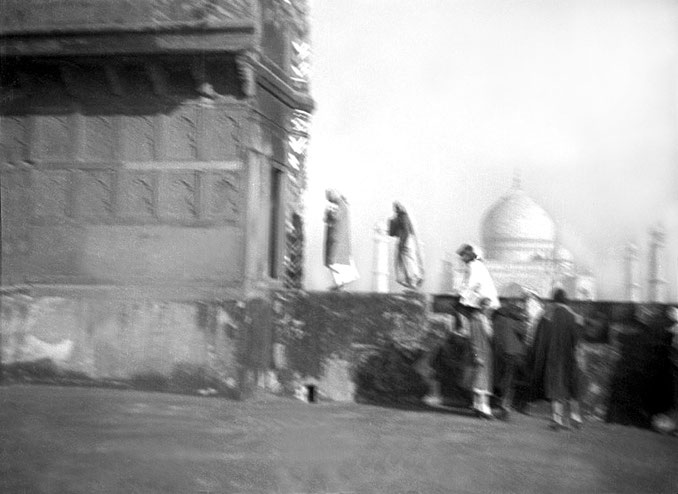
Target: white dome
517	229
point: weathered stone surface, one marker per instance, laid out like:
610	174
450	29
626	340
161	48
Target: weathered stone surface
122	15
326	334
169	346
387	345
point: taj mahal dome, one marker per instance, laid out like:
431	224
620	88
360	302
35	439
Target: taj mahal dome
520	245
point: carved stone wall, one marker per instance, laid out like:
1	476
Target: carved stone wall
285	40
75	165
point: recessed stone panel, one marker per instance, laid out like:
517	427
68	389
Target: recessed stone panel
13	139
50	191
223	198
220	135
182	134
179	195
15	211
101	140
137	196
94	196
54	137
138	137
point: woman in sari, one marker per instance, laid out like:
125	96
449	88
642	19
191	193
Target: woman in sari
409	268
338	255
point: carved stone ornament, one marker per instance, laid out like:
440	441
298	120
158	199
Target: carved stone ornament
29	15
211	11
247	63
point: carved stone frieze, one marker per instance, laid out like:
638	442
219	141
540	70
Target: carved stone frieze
137	196
138	137
54	137
101	140
179	195
223	196
13	139
209	11
96	15
94	194
286	23
15	208
220	134
182	129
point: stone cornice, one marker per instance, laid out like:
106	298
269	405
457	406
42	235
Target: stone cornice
129	43
274	83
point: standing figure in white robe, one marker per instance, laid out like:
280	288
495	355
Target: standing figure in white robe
338	254
478	298
409	267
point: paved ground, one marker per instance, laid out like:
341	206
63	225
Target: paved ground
85	440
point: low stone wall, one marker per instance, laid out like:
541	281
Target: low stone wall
396	347
211	347
392	348
351	345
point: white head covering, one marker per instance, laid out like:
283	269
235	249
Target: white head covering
477	284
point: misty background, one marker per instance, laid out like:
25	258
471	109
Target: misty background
436	103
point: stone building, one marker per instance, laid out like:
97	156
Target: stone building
520	245
151	150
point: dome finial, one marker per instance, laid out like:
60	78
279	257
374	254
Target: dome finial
517	184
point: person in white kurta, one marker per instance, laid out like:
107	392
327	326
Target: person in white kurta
477	284
338	252
478	298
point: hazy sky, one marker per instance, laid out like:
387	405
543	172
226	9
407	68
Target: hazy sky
436	102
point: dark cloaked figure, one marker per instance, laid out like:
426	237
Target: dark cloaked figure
510	324
408	263
556	375
672	313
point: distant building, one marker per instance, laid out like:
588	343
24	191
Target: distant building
520	246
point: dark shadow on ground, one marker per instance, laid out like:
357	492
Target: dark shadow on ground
184	379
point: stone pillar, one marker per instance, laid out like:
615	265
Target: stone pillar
632	280
380	260
656	282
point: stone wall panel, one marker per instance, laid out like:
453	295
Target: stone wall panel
162	345
51	194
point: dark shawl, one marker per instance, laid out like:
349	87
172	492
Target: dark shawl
555	374
400	226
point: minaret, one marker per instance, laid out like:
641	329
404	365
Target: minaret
656	283
380	271
631	272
